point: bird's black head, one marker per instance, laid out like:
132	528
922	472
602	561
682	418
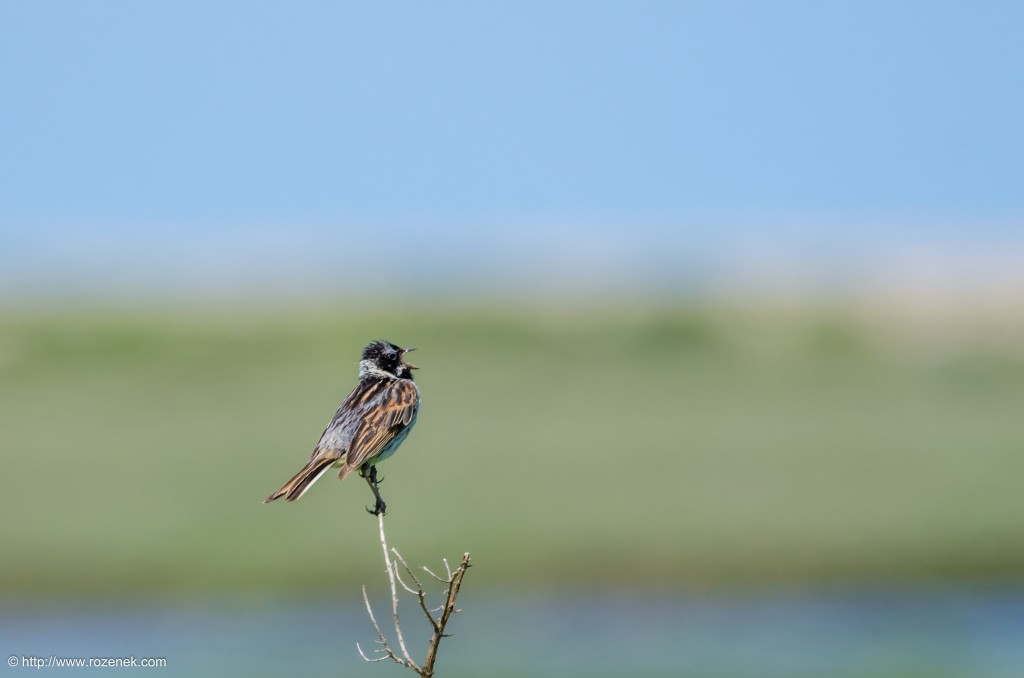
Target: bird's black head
384	357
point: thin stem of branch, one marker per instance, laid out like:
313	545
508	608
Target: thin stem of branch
402	581
385	649
378	659
419	593
455	583
431	573
394	597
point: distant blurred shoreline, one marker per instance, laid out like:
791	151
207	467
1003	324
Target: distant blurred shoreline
955	268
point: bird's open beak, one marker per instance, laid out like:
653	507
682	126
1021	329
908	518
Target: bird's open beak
409	365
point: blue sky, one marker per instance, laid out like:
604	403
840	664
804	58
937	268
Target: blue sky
199	141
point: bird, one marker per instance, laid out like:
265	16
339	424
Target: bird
371	423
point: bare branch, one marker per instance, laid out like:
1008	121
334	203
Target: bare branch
402	581
378	659
412	575
431	573
420	595
385	648
394	597
373	619
446	610
455	583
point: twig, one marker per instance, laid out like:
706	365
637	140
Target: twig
399	576
431	573
453	584
394	598
385	649
418	592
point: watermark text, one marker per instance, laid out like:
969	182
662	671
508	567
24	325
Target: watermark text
54	662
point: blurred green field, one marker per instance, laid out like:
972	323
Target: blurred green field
627	449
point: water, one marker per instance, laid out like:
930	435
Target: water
938	633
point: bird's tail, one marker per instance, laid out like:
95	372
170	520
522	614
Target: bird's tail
303	480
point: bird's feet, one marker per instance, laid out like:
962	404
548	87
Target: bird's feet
378	509
374	478
373	481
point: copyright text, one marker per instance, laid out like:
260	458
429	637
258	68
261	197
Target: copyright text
54	662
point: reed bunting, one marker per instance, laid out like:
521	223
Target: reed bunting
369	426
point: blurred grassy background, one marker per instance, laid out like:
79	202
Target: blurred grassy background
683	447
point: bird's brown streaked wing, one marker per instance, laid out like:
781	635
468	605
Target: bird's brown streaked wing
382	424
360	395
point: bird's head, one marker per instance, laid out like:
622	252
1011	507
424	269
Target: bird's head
386	359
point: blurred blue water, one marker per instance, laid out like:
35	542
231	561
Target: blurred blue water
864	633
